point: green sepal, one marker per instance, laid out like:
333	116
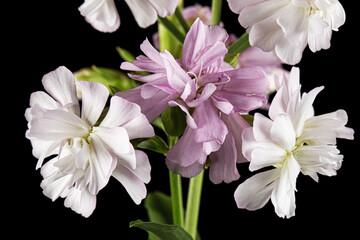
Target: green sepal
249	119
125	54
162	231
155	143
174	120
114	80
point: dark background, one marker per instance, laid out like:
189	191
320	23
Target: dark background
42	35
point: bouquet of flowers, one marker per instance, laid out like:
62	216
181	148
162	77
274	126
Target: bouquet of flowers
200	96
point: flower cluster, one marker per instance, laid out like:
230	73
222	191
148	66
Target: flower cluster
90	149
215	85
293	140
201	83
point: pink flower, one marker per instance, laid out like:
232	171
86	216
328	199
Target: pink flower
201	83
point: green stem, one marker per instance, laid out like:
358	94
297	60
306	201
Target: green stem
193	204
240	45
179	36
176	199
216	6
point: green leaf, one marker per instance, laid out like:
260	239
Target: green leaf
158	207
155	143
125	54
240	45
114	80
163	231
174	120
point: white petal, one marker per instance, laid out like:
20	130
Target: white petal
255	192
123	113
266	154
94	97
144	13
132	183
116	140
60	84
101	165
282	132
164	7
81	201
101	14
283	195
55	183
304	110
43	100
237	6
261	129
57	125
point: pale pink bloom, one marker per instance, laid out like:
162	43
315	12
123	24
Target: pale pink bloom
286	27
104	17
201	83
88	152
293	140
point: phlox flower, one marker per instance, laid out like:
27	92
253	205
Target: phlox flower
286	27
103	15
209	91
89	151
293	140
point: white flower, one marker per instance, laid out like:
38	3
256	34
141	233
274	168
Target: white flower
286	27
103	15
89	152
292	141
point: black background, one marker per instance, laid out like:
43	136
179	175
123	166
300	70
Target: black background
42	35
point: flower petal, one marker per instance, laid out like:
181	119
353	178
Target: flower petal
283	133
132	183
151	107
164	7
102	15
210	126
193	153
94	97
223	162
255	192
57	125
144	13
128	115
101	165
60	84
283	195
81	201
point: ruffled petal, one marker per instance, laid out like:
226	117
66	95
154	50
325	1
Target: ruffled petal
283	195
81	201
128	115
102	15
144	13
60	84
256	191
94	97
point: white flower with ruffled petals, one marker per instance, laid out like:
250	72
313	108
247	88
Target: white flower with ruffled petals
286	27
103	15
89	152
292	141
